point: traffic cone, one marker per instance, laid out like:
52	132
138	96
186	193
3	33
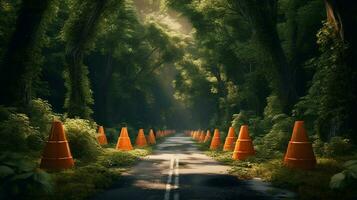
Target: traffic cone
102	139
194	135
124	142
57	154
202	137
140	139
244	145
216	140
208	136
198	136
300	154
229	143
151	137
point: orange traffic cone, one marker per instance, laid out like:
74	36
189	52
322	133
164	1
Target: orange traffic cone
140	139
151	137
202	137
216	140
208	136
244	145
194	135
57	154
198	135
229	143
300	153
102	139
124	142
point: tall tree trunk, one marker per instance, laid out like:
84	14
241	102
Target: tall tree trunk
342	14
81	30
262	14
19	66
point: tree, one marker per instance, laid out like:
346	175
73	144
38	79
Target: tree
21	62
80	32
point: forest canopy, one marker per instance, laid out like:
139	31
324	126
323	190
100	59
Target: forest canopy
176	64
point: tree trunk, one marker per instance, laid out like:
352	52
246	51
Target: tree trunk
79	97
19	66
342	14
262	15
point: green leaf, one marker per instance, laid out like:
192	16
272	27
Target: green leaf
337	181
352	171
349	163
5	171
22	176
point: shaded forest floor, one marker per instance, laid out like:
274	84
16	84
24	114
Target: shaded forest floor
91	176
312	184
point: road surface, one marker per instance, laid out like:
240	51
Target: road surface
178	170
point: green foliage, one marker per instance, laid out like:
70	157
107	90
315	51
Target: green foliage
15	132
20	179
277	139
81	183
346	178
26	132
239	120
112	134
41	115
328	98
84	181
313	184
337	146
115	158
273	108
81	135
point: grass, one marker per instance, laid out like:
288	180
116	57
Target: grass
88	178
313	184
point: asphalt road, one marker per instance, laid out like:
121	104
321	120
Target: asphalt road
178	170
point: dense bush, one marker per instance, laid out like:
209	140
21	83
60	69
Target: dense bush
337	146
278	137
15	131
41	115
112	134
20	179
273	108
239	119
78	184
346	178
82	138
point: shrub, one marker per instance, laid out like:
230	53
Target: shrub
114	158
112	134
346	178
15	131
81	183
273	107
19	179
278	137
239	120
337	146
41	115
318	146
82	138
5	112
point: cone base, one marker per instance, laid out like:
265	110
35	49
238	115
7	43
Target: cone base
102	140
57	163
305	164
124	144
241	155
